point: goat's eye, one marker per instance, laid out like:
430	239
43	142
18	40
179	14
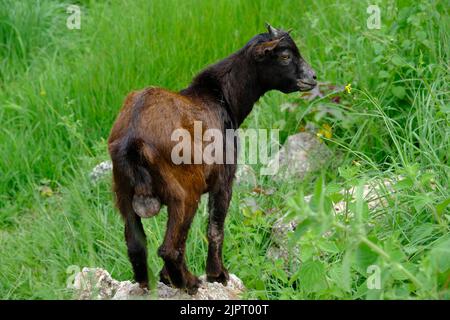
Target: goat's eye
285	57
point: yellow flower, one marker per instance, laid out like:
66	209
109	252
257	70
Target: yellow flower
46	191
325	131
43	93
348	88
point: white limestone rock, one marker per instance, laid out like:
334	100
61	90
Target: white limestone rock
97	284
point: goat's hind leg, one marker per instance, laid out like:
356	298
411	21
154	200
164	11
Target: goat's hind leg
164	276
173	248
137	249
135	237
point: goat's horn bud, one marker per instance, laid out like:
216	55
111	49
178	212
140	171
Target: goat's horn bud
272	31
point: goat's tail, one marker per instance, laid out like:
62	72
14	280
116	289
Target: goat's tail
129	161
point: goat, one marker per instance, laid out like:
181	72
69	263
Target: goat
145	177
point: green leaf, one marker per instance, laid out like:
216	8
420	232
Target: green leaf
406	44
349	172
383	74
321	204
317	200
402	291
393	248
364	257
397	60
347	262
399	92
259	284
361	291
400	275
328	246
421	35
410	249
440	254
332	188
336	276
422	232
312	276
299	231
426	178
404	184
421	201
336	197
306	252
280	274
440	207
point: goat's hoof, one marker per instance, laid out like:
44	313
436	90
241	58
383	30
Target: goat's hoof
146	206
165	278
222	277
193	285
143	285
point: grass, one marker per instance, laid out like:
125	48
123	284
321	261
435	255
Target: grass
61	89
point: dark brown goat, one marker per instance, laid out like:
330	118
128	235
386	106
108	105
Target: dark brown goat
140	145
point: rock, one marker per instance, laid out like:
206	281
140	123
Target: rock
373	194
280	245
100	170
245	175
302	153
97	284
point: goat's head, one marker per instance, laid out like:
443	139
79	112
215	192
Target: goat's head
280	65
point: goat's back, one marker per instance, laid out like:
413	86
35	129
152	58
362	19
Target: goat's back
150	116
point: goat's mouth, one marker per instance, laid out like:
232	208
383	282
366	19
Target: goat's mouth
305	86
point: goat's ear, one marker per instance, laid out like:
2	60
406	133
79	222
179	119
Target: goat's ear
265	48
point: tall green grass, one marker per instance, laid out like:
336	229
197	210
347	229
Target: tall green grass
61	89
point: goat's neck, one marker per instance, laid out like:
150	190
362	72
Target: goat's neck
240	89
233	82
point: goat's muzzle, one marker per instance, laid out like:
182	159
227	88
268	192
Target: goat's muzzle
306	85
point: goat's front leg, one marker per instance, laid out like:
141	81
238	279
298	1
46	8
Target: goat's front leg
173	248
218	206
